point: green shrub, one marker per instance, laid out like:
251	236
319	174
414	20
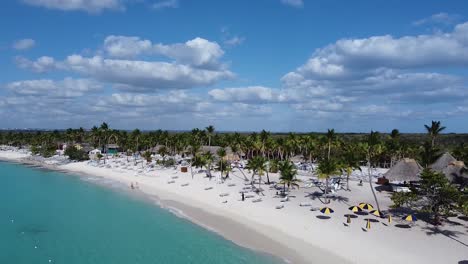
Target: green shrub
76	154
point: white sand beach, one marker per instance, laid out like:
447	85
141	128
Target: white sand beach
295	232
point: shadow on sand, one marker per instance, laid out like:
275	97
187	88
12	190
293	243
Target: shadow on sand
405	226
323	217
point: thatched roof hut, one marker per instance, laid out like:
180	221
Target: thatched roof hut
442	162
456	171
404	170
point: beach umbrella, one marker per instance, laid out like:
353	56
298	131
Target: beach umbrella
326	210
366	206
355	209
410	218
368	224
376	213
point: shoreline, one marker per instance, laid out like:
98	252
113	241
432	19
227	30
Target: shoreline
238	233
294	233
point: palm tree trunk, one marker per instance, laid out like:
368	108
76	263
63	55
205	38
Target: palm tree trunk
370	184
326	191
191	170
347	180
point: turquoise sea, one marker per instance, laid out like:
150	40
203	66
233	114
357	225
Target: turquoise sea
49	217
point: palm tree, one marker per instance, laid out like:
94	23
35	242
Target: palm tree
147	156
208	157
394	145
104	129
264	137
434	130
331	136
350	161
288	175
163	152
136	136
221	154
257	165
198	162
326	169
374	148
210	129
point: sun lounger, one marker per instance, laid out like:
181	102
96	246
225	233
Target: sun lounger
184	184
231	184
286	199
257	200
249	196
169	182
280	206
224	194
225	201
314	209
174	177
208	188
305	204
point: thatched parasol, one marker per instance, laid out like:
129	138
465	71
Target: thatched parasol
404	170
442	162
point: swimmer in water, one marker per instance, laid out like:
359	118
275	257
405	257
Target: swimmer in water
131	185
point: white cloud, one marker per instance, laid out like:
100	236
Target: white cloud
24	44
166	4
91	6
157	75
126	47
348	58
197	52
234	41
195	63
252	94
293	3
147	74
66	88
439	18
42	64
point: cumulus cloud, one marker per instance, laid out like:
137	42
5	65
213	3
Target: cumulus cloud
42	64
198	52
253	94
166	4
157	75
195	63
91	6
24	44
351	75
439	18
293	3
353	57
126	47
67	88
364	78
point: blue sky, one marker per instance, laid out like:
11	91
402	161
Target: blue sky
280	65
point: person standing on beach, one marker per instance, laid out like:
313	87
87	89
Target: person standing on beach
243	197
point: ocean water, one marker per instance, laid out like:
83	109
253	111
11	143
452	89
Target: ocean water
48	217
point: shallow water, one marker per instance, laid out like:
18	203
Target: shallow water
46	215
